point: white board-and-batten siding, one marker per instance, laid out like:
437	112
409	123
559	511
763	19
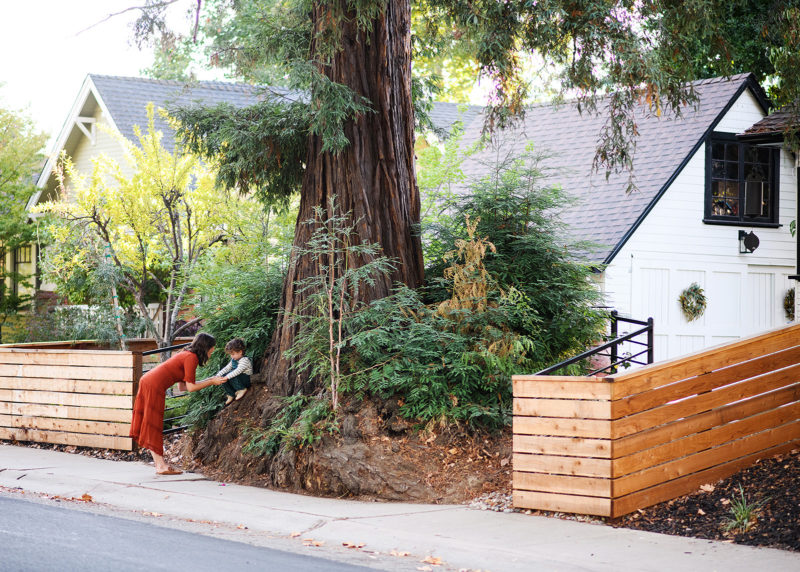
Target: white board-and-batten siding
673	247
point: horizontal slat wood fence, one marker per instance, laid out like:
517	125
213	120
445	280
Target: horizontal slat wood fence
71	393
610	445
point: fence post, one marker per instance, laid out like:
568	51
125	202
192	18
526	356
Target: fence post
650	340
614	351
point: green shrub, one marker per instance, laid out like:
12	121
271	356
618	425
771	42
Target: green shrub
519	216
68	323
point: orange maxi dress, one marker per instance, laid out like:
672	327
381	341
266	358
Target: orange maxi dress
147	424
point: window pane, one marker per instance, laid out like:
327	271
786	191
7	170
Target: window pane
732	190
763	155
717	150
717	188
755	204
756	172
732	170
731	152
717	169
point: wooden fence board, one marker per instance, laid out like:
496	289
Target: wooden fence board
706	401
69	385
542	482
63	398
706	360
68	425
66	358
705	421
598	428
66	412
581	466
562	503
573	446
706	382
81	440
704	440
583	409
690	483
706	459
70	372
570	388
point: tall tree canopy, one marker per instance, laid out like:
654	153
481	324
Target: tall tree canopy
348	129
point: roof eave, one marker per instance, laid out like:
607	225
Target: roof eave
88	87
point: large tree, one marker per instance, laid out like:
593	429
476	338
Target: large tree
348	129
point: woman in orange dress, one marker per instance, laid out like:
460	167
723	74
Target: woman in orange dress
148	410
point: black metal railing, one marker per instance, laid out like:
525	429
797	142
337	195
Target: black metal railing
170	429
612	345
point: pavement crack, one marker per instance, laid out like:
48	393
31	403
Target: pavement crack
317	525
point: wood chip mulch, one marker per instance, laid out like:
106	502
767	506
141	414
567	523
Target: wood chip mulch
772	485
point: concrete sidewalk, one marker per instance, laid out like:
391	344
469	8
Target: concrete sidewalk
459	536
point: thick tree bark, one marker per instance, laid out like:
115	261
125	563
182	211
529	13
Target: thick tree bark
373	178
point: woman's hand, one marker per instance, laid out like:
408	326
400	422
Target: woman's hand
218	380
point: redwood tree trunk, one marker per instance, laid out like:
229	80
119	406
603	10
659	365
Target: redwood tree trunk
373	178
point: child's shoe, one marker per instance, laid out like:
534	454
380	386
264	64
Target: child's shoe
229	399
240	393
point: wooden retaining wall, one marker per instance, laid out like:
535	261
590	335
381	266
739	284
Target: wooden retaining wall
608	446
70	393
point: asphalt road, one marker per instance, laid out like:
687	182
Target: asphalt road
37	537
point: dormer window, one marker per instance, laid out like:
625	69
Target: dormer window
741	182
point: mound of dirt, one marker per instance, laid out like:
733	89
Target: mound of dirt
376	455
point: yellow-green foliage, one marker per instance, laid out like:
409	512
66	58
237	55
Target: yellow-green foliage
157	216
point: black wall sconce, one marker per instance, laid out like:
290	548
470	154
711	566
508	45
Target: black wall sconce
748	242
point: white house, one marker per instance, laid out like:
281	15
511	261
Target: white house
699	186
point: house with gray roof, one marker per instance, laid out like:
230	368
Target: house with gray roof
704	198
704	195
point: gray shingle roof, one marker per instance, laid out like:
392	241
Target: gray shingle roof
774	126
127	97
444	114
603	213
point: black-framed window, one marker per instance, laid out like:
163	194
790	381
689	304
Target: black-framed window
23	254
741	182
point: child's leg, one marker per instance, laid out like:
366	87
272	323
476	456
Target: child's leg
241	381
229	388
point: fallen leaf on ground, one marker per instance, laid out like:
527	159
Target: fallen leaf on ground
432	560
707	488
353	544
241	527
294	535
399	553
701	512
312	542
87	497
153	514
725	502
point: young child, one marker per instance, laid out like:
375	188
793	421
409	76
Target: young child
237	372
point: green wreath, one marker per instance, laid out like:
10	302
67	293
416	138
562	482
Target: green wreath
693	302
788	304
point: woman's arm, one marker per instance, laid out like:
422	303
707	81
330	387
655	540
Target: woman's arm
203	383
